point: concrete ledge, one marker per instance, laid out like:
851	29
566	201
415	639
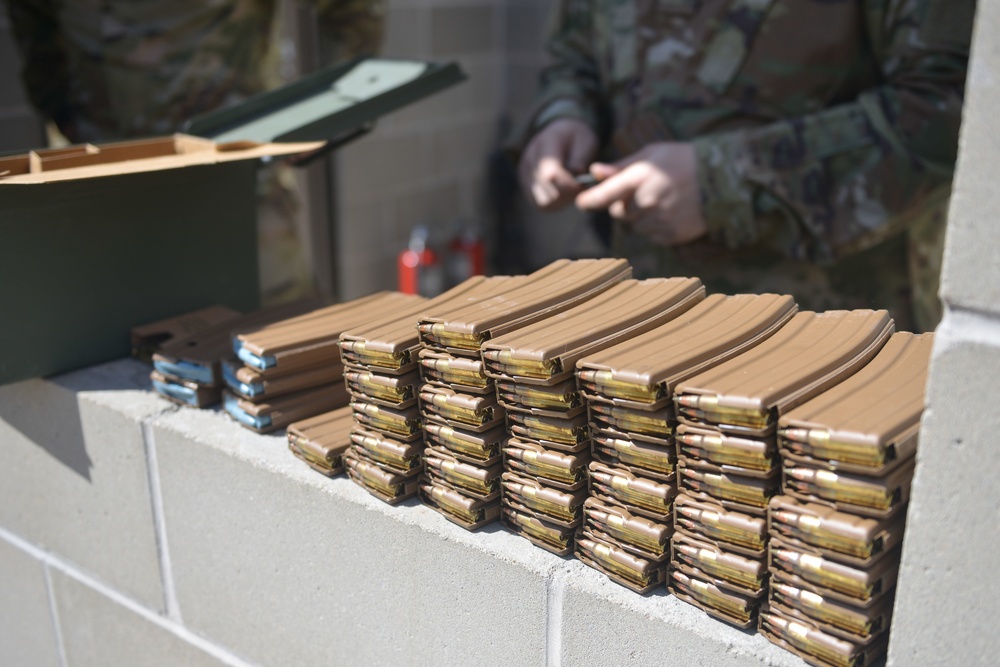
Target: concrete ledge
256	559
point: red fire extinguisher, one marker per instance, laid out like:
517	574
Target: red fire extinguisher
418	267
466	256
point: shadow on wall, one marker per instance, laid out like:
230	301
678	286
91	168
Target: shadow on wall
22	406
28	408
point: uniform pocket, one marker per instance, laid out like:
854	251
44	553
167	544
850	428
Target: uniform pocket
728	48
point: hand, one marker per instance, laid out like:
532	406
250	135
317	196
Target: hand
655	189
561	149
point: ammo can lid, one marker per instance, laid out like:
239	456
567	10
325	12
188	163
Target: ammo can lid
329	104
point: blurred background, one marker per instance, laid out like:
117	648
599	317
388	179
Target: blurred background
337	226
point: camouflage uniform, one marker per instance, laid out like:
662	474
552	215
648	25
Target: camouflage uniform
826	134
108	69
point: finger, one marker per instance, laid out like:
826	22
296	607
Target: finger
544	194
618	186
551	170
602	170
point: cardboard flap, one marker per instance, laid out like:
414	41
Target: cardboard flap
132	157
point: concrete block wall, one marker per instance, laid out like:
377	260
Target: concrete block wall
949	585
134	532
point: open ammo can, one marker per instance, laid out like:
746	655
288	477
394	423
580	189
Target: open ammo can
101	238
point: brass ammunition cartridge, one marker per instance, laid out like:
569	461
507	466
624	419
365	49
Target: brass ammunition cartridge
813	530
827	574
706	408
862	538
387	389
833	651
437	334
725	526
637	421
636	454
503	362
634	569
479	480
326	463
558	538
542	429
745	490
480	447
386	451
374	477
563	396
548	464
473	413
836	487
457	370
357	351
818	444
638	531
640	492
603	382
547	501
826	611
752	454
729	604
730	567
385	420
453	502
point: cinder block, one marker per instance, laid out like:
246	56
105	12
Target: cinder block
436	206
463	147
405	32
461	30
27	636
98	632
522	87
526	26
360	225
288	567
949	587
361	275
971	275
377	165
603	623
476	97
73	475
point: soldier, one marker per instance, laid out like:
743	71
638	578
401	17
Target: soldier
109	70
792	146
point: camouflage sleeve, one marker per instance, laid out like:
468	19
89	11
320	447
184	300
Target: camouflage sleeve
837	181
350	28
570	84
45	72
